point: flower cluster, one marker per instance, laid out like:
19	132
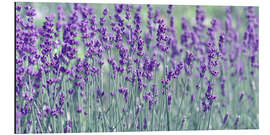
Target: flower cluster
134	67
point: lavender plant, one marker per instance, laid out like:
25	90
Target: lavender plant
135	68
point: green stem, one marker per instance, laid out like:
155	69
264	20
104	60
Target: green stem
209	119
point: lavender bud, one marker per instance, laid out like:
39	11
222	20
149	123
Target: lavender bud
183	121
144	123
237	120
241	96
169	99
225	118
105	11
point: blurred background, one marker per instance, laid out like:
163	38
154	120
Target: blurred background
189	12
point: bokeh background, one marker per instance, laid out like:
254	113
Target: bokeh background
189	12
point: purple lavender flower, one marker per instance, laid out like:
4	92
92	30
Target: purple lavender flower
169	99
18	8
241	96
105	11
67	127
169	11
183	121
225	118
192	98
144	123
237	120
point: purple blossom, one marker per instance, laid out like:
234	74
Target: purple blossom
225	118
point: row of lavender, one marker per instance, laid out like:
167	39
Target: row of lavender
133	77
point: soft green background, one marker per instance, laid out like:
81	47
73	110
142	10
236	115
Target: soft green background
218	12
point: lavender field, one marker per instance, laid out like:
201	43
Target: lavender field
119	67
